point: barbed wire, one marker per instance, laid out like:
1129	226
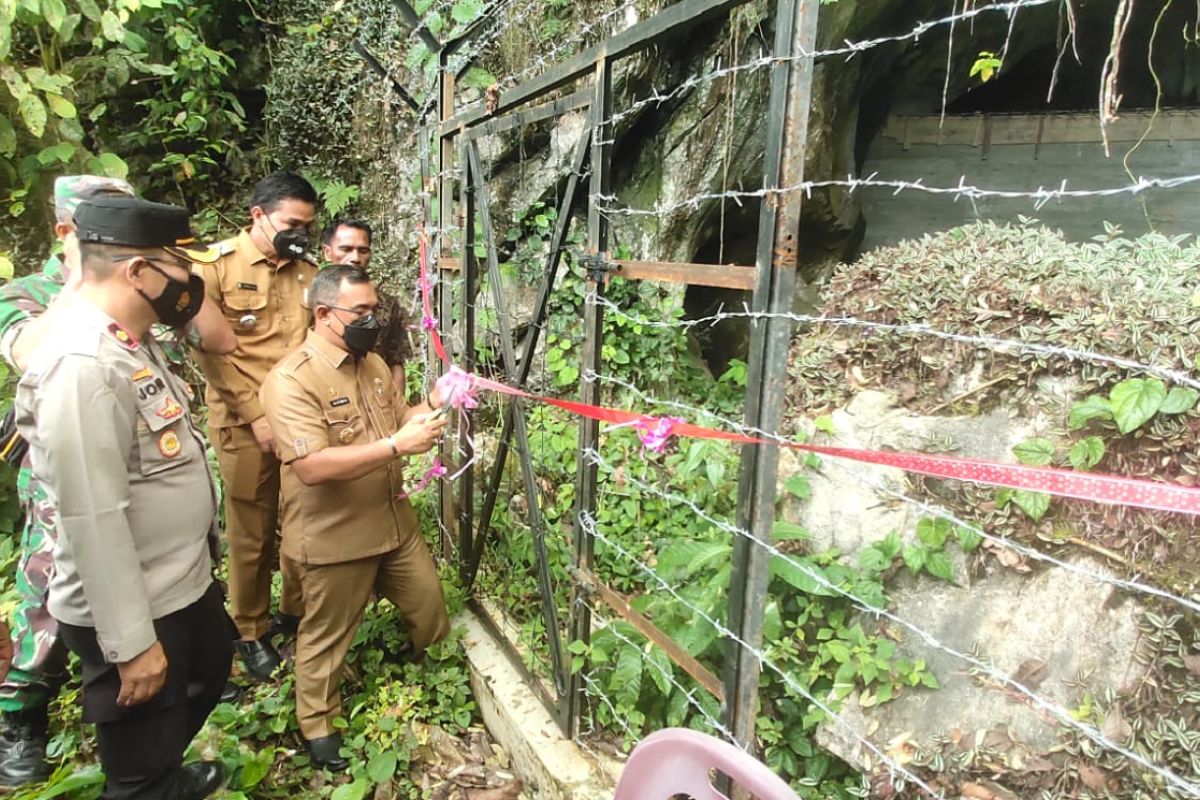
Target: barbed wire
1041	196
914	329
592	528
713	722
590	683
849	49
578	36
1063	715
861	476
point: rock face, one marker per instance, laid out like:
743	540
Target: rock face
1015	623
1011	620
851	506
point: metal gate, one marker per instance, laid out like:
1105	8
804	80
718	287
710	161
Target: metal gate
459	197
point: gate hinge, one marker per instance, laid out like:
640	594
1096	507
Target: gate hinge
598	267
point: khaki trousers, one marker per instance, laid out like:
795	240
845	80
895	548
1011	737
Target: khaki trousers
335	597
251	480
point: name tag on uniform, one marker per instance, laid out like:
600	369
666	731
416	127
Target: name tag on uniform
156	387
253	286
339	401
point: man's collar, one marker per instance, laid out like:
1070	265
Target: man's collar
328	350
246	244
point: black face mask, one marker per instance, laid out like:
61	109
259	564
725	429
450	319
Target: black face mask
360	336
179	301
291	243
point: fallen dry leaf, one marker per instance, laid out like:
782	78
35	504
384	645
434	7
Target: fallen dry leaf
1093	777
509	791
1031	673
1193	664
976	792
1115	727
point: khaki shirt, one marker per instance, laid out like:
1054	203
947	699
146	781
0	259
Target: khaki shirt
267	306
112	440
317	397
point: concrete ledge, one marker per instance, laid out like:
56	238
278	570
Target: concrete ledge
552	766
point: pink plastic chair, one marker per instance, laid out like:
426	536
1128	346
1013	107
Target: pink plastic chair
677	761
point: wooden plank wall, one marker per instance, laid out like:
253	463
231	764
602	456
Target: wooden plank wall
1024	152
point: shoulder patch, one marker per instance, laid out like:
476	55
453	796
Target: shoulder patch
123	337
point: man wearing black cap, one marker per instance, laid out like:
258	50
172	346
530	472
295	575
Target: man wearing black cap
111	437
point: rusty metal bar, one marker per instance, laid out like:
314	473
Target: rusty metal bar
374	65
562	224
414	21
466	441
537	523
778	234
725	277
591	364
445	300
718	275
672	20
533	114
680	657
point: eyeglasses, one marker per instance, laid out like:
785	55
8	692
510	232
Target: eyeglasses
356	312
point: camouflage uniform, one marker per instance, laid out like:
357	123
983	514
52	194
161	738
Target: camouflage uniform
39	656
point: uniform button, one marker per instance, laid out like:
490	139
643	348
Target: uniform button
112	655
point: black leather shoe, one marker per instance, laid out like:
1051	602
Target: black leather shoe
283	625
23	749
197	781
259	658
324	752
232	693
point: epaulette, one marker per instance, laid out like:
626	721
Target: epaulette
297	359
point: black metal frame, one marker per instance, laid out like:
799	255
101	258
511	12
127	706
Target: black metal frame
776	263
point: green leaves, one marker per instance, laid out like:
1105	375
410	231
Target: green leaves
985	66
8	138
1034	504
1135	401
109	164
1093	407
1087	452
477	78
464	11
382	767
1034	452
355	790
90	9
1179	400
111	26
255	769
799	487
933	531
33	114
53	13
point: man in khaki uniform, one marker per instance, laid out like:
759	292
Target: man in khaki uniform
342	428
261	284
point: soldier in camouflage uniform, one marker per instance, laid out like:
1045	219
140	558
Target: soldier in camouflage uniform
40	658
